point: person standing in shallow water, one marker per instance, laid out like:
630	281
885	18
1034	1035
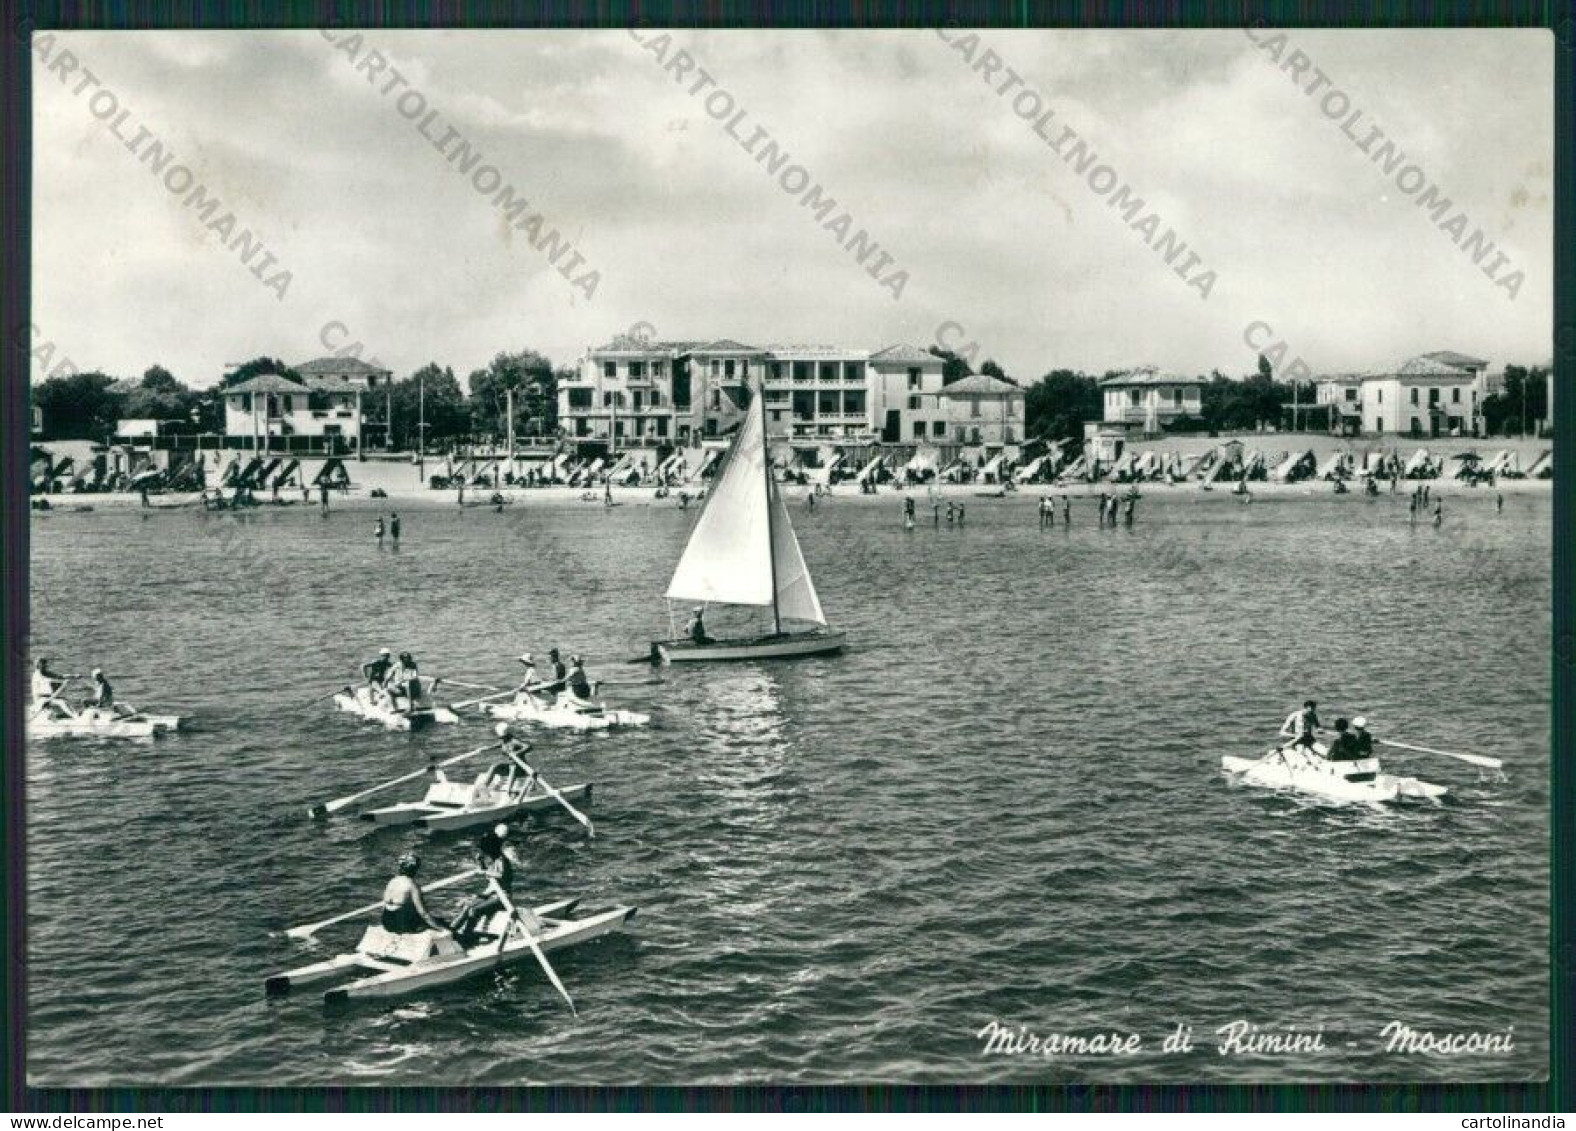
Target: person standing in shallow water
394	528
1439	512
1499	504
377	530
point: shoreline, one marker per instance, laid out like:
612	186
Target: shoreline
425	498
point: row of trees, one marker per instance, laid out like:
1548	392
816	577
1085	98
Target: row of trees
89	406
1059	404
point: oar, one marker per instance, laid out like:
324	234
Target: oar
649	680
310	929
573	812
339	803
547	968
330	695
483	699
64	680
1475	759
471	686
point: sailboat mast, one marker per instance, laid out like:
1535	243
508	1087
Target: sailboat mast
771	533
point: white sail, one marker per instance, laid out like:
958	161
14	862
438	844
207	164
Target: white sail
729	556
796	599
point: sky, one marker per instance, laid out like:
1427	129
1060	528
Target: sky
999	247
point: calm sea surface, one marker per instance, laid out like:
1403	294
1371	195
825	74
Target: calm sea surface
1004	803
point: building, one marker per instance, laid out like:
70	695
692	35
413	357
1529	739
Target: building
1422	398
906	392
984	410
1342	396
323	412
1148	400
634	392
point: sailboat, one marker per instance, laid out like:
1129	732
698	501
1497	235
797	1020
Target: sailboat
742	551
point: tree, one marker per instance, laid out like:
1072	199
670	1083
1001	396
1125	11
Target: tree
433	393
159	396
256	368
1266	370
1521	405
78	407
1058	405
535	386
954	368
991	369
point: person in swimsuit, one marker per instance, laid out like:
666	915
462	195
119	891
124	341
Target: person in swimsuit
496	861
103	695
376	671
560	674
579	685
404	910
405	680
47	685
1300	726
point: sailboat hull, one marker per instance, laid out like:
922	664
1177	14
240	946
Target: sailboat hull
782	645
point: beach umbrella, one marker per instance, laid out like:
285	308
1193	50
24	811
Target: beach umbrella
1468	456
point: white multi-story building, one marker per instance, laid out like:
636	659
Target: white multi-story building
1422	397
633	392
1146	399
322	412
985	410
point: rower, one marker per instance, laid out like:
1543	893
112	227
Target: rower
496	861
404	910
696	629
47	686
1345	748
1300	726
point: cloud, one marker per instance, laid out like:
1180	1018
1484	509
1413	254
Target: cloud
690	233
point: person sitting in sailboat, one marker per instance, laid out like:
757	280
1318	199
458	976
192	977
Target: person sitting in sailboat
696	629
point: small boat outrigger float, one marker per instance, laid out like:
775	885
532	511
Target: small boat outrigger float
394	710
394	965
1302	771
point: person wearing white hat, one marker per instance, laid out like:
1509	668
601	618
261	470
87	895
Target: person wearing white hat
103	694
376	670
696	629
1365	741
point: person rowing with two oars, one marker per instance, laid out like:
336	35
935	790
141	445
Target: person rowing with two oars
497	862
404	680
47	686
404	910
